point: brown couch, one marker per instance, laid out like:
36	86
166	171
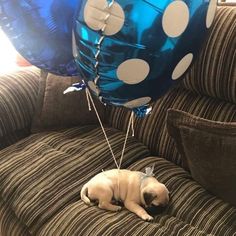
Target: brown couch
190	137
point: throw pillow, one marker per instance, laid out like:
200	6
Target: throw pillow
208	149
56	110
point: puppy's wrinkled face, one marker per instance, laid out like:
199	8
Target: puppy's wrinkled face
156	195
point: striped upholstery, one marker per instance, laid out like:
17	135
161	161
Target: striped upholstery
10	223
152	130
214	72
42	174
192	211
18	96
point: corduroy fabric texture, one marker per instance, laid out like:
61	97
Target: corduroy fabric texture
18	95
10	223
43	173
56	110
214	72
152	130
192	211
208	149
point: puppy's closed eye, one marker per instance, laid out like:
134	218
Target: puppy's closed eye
148	198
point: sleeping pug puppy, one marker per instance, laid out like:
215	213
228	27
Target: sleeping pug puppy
135	189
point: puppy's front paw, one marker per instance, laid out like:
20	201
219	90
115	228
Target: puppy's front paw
119	208
147	218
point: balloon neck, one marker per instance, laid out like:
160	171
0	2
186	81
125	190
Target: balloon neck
142	111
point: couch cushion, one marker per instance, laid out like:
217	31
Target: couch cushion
9	223
192	211
56	110
43	173
208	149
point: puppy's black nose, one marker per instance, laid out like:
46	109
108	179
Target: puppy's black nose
155	210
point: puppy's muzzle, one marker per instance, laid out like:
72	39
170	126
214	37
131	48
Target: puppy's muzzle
155	210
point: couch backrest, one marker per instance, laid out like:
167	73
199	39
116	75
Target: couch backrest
208	90
214	72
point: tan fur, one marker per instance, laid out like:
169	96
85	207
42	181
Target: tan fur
131	187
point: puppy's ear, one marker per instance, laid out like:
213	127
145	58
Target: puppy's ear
148	198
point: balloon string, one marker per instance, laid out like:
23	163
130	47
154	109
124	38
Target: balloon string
130	125
88	100
88	94
100	42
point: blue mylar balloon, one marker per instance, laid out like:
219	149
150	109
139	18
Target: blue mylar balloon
41	30
131	52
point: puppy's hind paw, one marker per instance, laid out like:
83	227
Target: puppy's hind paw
147	218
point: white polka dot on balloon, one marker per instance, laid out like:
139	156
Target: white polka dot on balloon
94	87
182	66
133	71
137	102
99	16
175	18
211	13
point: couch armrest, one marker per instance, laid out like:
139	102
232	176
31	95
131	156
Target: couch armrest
18	95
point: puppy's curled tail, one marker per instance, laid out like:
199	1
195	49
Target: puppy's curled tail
84	193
